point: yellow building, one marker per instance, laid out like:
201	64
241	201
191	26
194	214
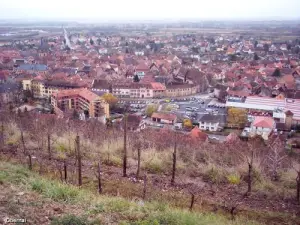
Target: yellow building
45	88
179	90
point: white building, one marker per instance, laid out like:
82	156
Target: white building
262	126
139	53
211	122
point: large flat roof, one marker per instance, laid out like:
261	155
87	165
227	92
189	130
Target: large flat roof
270	104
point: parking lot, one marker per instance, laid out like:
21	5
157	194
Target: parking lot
191	108
197	107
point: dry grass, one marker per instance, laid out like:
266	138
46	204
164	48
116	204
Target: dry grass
82	207
212	163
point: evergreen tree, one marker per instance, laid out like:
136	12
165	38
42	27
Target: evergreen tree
276	73
256	57
136	78
91	41
266	47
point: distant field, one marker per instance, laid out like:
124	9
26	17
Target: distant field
275	34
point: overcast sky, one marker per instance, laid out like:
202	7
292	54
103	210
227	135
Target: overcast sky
153	9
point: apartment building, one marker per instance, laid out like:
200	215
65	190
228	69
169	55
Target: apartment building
178	90
81	99
45	88
133	90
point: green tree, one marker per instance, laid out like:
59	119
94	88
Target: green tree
236	117
256	57
91	41
110	99
187	123
255	44
233	57
151	109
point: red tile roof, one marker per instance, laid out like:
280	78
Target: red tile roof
164	116
157	86
196	133
79	92
264	122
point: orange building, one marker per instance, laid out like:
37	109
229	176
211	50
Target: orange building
80	99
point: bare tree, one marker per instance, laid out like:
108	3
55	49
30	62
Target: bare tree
250	172
252	148
231	205
296	167
195	192
2	141
275	157
99	178
174	160
145	187
79	164
125	148
139	160
137	144
22	124
65	170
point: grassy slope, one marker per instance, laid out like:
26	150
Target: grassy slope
41	201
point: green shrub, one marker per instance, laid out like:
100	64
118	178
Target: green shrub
153	167
234	179
55	190
214	175
69	220
3	176
62	192
98	208
118	205
38	186
257	176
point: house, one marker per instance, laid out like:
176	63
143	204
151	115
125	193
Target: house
262	126
141	69
164	118
132	90
288	81
44	88
103	51
139	53
9	91
220	92
32	68
101	86
232	137
180	89
135	123
211	122
196	134
158	89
